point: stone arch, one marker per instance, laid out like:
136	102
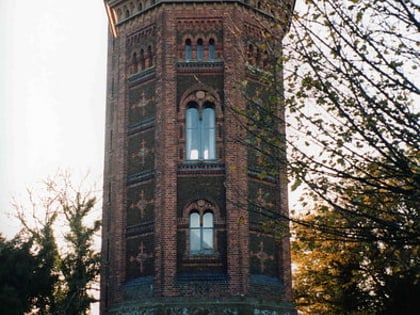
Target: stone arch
201	205
201	93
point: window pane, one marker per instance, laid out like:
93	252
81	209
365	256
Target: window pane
212	50
207	242
193	135
195	243
194	220
208	134
208	220
207	239
208	117
188	50
192	117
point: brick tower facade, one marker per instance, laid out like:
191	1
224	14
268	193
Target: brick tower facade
181	234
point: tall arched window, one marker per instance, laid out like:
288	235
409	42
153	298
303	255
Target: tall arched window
250	54
193	132
142	60
258	58
134	63
200	49
188	50
201	133
212	49
149	56
208	134
201	233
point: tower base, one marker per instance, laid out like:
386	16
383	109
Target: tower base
203	306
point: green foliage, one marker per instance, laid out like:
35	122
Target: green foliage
16	266
27	277
351	90
334	275
351	94
80	267
47	271
56	281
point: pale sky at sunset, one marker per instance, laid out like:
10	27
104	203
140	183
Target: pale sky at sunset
52	93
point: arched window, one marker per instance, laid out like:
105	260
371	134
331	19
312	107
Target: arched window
201	233
208	134
134	63
258	58
200	49
142	60
188	50
193	134
201	133
149	57
212	49
250	54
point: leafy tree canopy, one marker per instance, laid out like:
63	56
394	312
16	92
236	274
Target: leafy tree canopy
52	266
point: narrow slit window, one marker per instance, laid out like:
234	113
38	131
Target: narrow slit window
193	132
142	60
208	134
134	64
188	50
212	49
149	56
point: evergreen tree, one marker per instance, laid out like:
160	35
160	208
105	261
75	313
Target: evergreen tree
28	274
16	276
60	277
80	266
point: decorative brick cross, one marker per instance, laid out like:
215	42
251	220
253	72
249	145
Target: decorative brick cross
262	256
141	204
141	257
143	151
261	202
141	104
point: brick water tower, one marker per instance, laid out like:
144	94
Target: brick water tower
181	233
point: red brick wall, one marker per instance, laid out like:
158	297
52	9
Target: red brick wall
145	106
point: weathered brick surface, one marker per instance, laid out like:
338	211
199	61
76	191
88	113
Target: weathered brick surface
148	187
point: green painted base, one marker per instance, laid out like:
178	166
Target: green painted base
200	306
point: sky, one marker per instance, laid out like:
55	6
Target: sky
52	94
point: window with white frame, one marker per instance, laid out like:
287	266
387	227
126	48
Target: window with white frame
200	132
